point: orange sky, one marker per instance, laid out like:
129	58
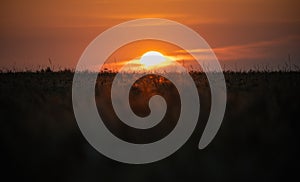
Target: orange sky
245	32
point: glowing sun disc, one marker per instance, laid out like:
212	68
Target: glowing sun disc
152	58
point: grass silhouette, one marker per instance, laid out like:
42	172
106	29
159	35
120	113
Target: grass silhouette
258	139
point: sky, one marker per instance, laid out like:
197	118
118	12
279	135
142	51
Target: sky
243	33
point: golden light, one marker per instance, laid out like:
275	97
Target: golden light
152	58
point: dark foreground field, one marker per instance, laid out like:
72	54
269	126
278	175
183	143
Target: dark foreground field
258	139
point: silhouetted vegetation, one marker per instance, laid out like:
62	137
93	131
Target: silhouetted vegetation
258	139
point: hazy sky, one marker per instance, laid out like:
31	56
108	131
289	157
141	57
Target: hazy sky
245	32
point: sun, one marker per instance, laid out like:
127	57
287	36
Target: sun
152	58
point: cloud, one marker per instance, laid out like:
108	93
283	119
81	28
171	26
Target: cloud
250	51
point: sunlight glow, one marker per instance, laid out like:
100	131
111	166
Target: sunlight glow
152	58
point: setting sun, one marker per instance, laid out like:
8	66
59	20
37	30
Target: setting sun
152	58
